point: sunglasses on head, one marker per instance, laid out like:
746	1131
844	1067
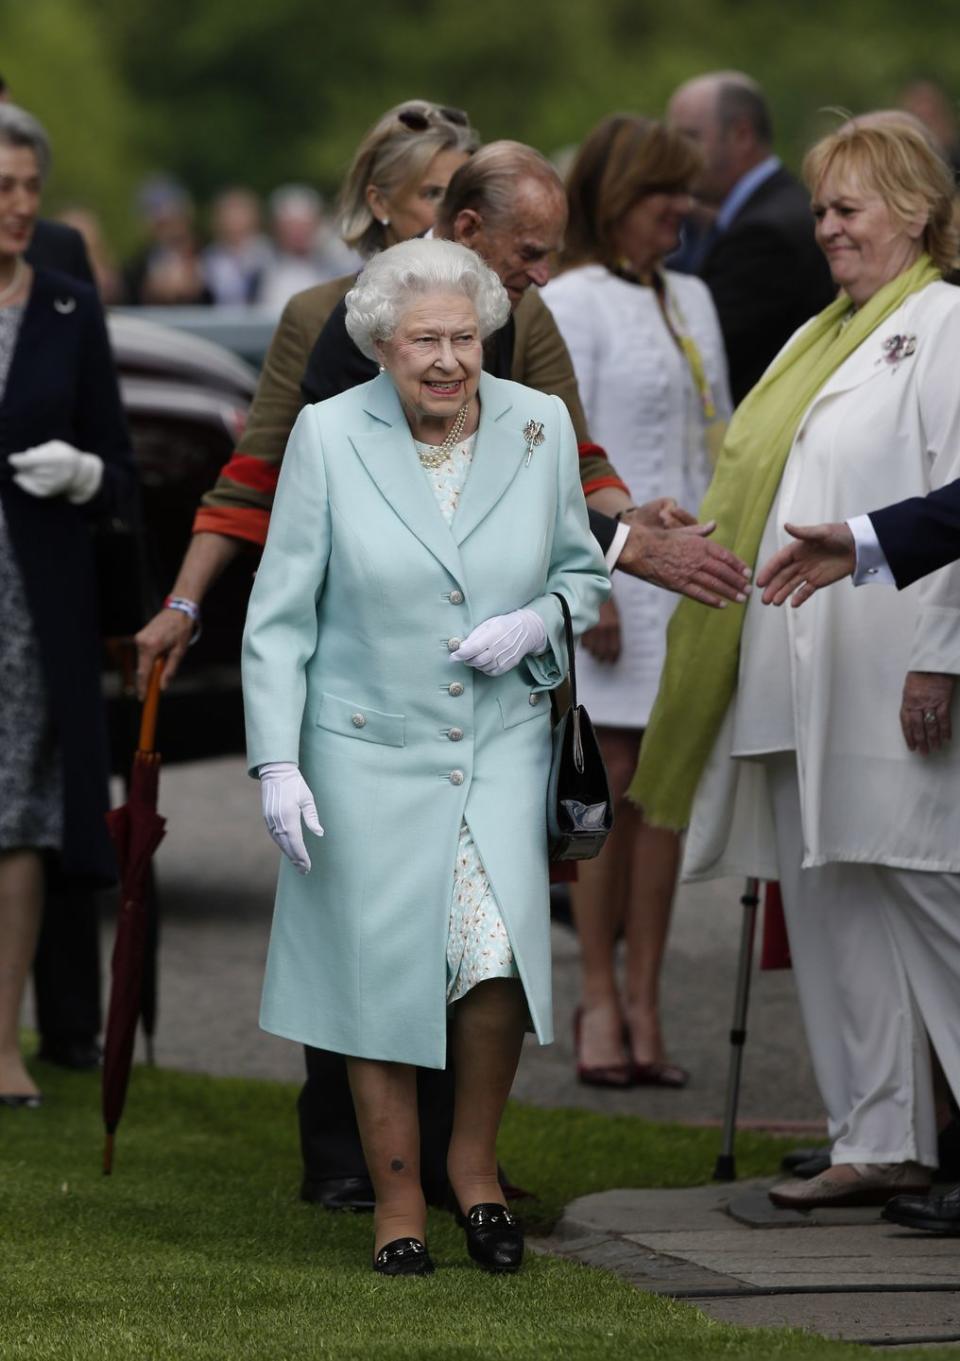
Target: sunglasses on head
418	121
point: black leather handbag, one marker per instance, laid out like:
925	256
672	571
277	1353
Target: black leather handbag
579	809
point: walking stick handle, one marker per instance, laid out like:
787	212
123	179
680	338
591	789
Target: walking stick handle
148	716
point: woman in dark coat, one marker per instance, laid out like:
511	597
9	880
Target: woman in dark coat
65	461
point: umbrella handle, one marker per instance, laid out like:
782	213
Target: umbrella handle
148	716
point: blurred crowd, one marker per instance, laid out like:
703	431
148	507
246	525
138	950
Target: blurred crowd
253	252
242	249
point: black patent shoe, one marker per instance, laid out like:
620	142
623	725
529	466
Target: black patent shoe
936	1214
494	1237
23	1103
403	1257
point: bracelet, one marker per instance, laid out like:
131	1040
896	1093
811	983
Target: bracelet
189	608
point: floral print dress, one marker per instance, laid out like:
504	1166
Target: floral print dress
478	946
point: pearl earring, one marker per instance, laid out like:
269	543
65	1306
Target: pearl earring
383	368
384	222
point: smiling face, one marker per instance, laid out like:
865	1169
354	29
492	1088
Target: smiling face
865	244
413	210
434	358
20	186
650	229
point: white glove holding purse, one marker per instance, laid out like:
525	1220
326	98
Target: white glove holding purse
500	643
286	800
57	469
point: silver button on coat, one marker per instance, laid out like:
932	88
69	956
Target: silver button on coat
359	721
456	777
455	734
456	597
455	688
453	644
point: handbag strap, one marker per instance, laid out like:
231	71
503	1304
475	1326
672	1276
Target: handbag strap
572	673
568	635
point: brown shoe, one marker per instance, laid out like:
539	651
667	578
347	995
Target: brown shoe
852	1184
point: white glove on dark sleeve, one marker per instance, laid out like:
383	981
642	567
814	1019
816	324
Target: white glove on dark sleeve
57	469
498	644
286	799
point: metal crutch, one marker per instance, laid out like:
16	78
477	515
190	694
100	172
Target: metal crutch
726	1165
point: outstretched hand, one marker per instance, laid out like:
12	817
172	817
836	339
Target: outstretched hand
822	554
685	561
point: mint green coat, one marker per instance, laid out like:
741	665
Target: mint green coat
361	592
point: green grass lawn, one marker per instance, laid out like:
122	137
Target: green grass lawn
198	1249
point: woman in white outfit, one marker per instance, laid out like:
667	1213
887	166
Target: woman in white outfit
801	750
648	355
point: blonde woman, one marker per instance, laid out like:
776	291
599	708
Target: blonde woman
795	747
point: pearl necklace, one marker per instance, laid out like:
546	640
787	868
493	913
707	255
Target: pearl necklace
14	284
442	452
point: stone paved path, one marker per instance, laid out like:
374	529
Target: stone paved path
844	1274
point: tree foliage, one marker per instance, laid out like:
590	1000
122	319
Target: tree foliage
219	91
60	64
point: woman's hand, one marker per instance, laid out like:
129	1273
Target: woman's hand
925	710
501	642
286	799
168	634
822	554
57	469
603	640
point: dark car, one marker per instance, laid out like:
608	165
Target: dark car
186	401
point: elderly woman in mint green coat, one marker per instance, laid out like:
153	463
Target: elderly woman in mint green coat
401	642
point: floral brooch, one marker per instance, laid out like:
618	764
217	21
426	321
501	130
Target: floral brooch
533	434
896	348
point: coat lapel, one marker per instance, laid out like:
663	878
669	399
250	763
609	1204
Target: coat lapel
499	454
868	360
389	456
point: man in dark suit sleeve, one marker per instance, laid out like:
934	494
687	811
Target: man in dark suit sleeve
894	546
759	259
921	534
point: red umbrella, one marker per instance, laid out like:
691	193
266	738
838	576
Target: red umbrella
137	831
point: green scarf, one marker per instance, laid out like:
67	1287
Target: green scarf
703	645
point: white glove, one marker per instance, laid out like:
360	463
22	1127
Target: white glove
498	644
57	469
286	799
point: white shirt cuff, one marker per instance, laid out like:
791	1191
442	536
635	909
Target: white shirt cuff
620	536
872	568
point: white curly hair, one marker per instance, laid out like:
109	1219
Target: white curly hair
393	279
